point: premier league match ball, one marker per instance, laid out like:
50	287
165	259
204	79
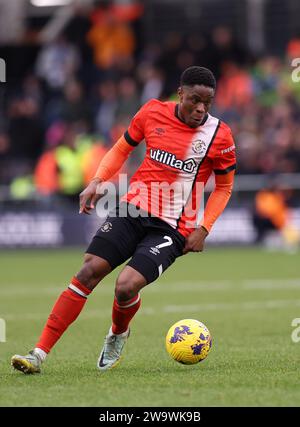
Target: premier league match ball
188	341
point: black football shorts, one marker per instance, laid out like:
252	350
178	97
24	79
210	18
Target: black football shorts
152	244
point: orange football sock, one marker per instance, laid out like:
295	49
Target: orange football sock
123	312
65	311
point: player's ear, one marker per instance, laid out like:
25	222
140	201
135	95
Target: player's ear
180	92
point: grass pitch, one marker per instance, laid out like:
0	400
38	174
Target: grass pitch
246	297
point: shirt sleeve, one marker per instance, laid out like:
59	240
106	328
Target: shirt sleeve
136	130
224	160
218	199
113	160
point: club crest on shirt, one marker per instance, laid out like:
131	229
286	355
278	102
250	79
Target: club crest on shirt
199	146
106	227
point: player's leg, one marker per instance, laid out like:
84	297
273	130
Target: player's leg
154	254
113	244
64	312
126	303
71	302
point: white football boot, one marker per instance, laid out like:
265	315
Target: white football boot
29	364
112	349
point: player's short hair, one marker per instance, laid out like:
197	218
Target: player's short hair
198	76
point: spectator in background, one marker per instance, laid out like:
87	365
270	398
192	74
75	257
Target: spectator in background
272	214
46	178
25	131
183	60
105	109
77	29
198	45
57	62
224	48
75	108
71	106
124	67
26	136
69	161
128	99
293	47
31	88
266	77
110	39
235	88
172	45
150	54
59	169
4	158
152	82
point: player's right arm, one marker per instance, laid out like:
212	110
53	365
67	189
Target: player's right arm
110	164
114	159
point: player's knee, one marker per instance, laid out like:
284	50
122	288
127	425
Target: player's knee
126	288
93	270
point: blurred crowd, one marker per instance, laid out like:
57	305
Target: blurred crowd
83	88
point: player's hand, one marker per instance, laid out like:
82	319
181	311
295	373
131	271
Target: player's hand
89	196
195	241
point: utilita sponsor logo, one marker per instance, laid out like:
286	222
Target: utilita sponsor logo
170	159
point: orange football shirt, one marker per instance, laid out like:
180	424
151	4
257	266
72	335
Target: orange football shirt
178	162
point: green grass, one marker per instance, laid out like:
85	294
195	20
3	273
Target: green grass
247	298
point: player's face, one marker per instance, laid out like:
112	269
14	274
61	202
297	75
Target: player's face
195	102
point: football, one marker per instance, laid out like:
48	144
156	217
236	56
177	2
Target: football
188	341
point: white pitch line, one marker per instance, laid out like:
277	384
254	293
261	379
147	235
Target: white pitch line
189	308
250	305
263	284
197	286
91	314
272	284
175	287
46	290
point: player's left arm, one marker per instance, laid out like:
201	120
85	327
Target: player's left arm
218	199
224	165
215	205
